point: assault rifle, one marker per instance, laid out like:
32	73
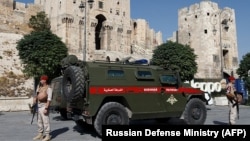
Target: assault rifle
34	107
33	110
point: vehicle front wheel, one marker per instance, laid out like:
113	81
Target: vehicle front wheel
195	112
111	113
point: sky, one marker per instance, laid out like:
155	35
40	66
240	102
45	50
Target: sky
162	15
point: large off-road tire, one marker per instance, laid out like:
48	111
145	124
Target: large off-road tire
69	60
195	112
111	113
73	84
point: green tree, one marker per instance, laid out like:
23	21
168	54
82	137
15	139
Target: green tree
41	51
243	69
40	22
175	56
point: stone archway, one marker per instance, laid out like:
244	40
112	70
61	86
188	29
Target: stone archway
99	31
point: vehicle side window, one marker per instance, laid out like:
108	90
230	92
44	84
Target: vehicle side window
115	73
144	75
168	79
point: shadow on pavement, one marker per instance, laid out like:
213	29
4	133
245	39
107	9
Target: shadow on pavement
163	121
57	132
84	128
176	121
219	123
59	118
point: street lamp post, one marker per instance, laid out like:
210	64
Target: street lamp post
83	5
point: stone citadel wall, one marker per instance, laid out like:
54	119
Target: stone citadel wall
211	32
195	22
109	30
14	17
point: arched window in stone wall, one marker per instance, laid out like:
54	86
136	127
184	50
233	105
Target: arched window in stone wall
117	59
14	5
131	49
135	27
67	20
98	32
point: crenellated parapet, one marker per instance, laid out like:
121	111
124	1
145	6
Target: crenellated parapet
194	8
14	5
21	11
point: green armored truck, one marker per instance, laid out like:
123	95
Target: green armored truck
115	93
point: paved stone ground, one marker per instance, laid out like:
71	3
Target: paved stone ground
218	115
16	126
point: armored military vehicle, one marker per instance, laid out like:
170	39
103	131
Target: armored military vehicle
107	93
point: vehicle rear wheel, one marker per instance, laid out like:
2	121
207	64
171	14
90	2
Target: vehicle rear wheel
111	113
195	112
73	84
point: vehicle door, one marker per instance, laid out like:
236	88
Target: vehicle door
146	93
172	97
58	99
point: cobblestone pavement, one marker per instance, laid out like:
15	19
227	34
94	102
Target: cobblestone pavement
16	126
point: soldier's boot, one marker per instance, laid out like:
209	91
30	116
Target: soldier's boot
47	138
39	136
